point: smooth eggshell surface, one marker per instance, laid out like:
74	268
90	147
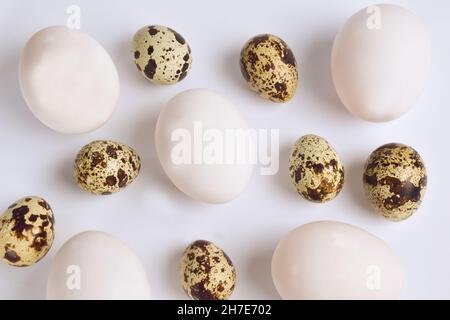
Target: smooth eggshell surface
68	80
188	116
334	260
94	265
380	60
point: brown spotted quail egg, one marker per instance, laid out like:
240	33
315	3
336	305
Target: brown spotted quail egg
315	169
105	167
161	54
269	67
26	231
206	272
395	180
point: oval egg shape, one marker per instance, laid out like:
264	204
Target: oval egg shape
68	80
93	265
395	181
104	167
207	273
380	61
26	231
269	67
161	54
334	260
192	136
315	169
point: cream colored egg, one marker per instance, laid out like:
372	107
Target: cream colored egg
203	147
334	260
380	61
68	80
94	265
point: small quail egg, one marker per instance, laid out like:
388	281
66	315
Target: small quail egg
161	54
105	167
206	272
395	181
269	67
315	169
26	231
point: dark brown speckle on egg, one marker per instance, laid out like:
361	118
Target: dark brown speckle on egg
207	273
395	180
26	232
315	169
105	167
269	67
164	55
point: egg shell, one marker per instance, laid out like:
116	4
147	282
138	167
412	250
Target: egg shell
207	273
213	182
316	169
68	80
334	260
94	265
26	231
395	181
380	61
161	54
269	67
103	167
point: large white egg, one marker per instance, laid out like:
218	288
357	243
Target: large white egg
334	260
93	265
68	80
380	61
194	143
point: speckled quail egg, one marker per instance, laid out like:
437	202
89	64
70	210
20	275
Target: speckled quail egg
206	272
105	167
161	54
269	67
315	169
395	181
26	231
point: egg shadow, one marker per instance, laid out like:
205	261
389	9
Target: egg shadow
354	184
258	272
315	76
11	95
32	283
172	274
64	174
151	169
232	71
123	59
282	176
36	285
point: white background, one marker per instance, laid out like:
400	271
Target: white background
151	215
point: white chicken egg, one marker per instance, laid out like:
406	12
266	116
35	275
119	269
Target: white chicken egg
68	80
202	145
334	260
93	265
380	60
